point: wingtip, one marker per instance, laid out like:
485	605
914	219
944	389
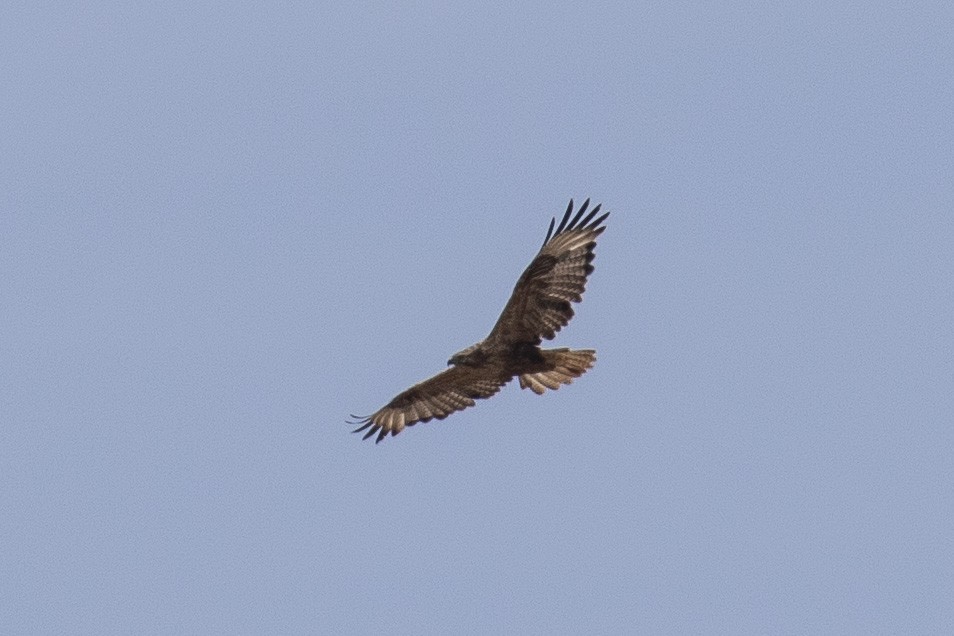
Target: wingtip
549	231
598	223
566	217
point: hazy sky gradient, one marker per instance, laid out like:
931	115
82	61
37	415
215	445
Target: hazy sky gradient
225	227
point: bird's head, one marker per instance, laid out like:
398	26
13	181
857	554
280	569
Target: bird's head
464	357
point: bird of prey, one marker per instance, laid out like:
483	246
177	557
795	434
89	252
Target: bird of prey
538	308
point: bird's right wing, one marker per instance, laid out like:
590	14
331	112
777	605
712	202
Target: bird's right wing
452	390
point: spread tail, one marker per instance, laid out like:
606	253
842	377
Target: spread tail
560	367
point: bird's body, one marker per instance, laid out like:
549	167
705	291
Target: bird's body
538	308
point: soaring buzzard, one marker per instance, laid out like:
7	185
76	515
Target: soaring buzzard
538	308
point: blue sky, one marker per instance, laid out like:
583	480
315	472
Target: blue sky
225	227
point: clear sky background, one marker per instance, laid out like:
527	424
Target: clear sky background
226	226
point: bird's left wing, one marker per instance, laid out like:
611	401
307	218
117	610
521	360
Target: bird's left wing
452	390
540	304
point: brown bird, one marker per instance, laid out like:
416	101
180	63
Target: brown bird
538	308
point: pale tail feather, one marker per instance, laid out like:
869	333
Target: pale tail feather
563	365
